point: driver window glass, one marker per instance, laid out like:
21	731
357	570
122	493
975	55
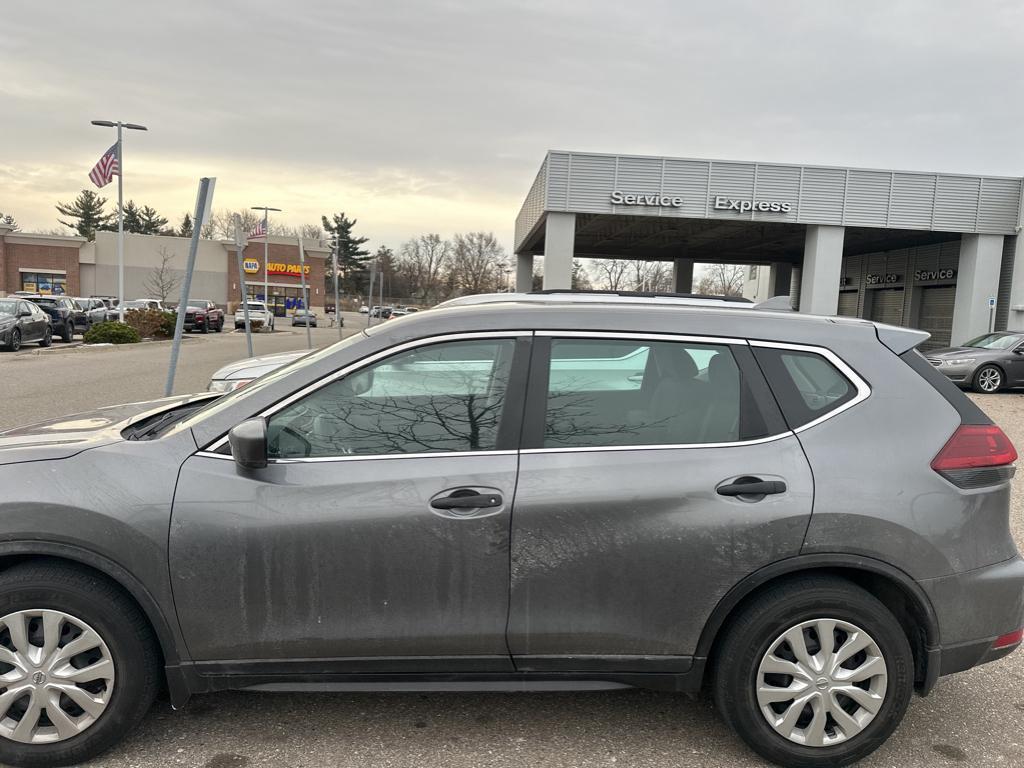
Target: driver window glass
433	399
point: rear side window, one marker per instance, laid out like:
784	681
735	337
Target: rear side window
806	385
619	392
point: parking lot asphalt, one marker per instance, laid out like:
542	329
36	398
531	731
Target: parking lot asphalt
973	718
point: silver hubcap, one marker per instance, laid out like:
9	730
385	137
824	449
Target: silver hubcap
989	379
821	682
56	676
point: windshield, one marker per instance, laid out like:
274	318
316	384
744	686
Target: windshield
8	307
256	307
995	341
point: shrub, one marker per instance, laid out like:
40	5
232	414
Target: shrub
166	329
111	332
147	322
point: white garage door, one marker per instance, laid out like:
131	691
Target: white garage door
887	306
848	303
936	314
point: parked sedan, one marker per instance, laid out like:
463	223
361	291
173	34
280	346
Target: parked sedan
66	317
23	322
985	364
304	317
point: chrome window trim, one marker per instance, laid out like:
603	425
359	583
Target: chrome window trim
862	387
661	446
362	363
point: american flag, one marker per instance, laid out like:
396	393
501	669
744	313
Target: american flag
260	230
104	170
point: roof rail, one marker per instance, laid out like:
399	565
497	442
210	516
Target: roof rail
639	294
776	304
601	297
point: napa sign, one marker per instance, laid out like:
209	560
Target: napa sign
251	266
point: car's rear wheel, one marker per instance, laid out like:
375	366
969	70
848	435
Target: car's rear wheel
78	665
69	331
47	339
988	379
815	672
220	325
15	340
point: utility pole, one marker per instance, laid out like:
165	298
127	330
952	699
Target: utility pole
239	247
305	297
120	203
337	306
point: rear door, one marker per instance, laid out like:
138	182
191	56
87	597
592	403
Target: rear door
630	521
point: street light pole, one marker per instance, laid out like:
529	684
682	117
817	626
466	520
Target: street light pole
120	203
266	248
337	306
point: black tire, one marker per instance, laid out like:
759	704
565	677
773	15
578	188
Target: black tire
15	340
206	327
69	332
104	607
47	339
751	633
220	325
988	379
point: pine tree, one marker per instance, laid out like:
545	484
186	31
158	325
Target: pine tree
185	230
152	223
352	257
8	221
85	213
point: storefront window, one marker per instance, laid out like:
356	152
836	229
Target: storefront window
282	301
44	283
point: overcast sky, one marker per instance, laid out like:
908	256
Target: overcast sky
435	116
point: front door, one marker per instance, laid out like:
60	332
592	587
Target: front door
630	521
378	532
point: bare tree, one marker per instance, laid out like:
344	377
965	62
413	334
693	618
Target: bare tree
475	262
163	280
722	280
612	274
424	261
650	276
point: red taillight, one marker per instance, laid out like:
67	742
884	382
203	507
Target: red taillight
1011	638
974	445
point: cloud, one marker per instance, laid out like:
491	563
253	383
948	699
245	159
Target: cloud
435	115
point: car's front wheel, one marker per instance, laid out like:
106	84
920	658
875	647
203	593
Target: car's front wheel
988	379
814	672
78	665
15	344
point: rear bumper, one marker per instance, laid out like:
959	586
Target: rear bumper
973	610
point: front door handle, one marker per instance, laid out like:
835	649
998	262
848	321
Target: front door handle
462	500
752	487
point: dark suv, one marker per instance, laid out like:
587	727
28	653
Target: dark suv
799	514
66	317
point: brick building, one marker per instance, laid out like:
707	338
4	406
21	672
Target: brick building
49	264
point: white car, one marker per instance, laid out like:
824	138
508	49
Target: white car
364	310
257	311
241	372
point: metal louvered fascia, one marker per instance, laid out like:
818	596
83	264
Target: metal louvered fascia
557	198
822	198
687	179
913	197
533	207
1005	283
733	181
591	179
999	205
956	203
867	198
777	183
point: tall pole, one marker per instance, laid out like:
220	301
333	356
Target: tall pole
369	315
239	247
305	298
202	207
337	306
120	225
266	256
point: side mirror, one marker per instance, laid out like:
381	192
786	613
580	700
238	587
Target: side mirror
248	442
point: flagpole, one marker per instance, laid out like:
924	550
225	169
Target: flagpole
120	204
120	225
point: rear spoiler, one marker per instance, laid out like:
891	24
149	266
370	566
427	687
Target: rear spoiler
899	339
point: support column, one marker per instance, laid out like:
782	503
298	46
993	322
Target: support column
780	278
524	272
682	275
1015	317
559	243
821	270
977	279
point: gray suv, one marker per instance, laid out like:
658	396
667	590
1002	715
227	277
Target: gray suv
799	515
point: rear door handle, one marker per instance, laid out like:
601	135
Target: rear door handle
468	501
752	488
